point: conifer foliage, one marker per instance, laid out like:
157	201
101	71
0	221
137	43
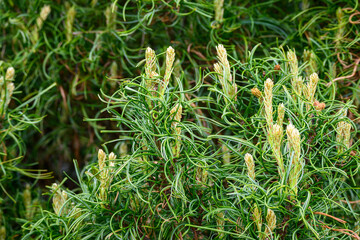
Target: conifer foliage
201	163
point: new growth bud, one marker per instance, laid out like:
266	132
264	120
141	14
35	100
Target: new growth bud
293	136
343	136
6	90
226	156
268	102
296	80
257	219
105	171
281	114
176	111
219	10
27	201
250	166
150	65
69	22
44	13
10	73
222	68
170	57
310	89
110	15
59	200
220	222
271	223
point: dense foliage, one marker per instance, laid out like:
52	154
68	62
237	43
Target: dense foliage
217	160
181	129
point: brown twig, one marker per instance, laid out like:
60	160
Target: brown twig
345	77
344	231
327	215
351	202
352	15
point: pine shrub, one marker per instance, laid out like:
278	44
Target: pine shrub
254	149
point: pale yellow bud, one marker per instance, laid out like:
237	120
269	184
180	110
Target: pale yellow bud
277	133
110	15
222	55
276	140
257	218
69	22
295	150
269	84
150	61
268	102
64	195
310	88
218	69
250	166
45	11
291	56
298	85
150	69
314	79
226	73
347	130
59	200
202	175
27	201
170	57
10	87
112	156
10	73
271	222
226	156
281	114
340	28
228	85
101	159
343	135
219	10
177	110
149	53
220	222
27	195
114	69
294	139
296	81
